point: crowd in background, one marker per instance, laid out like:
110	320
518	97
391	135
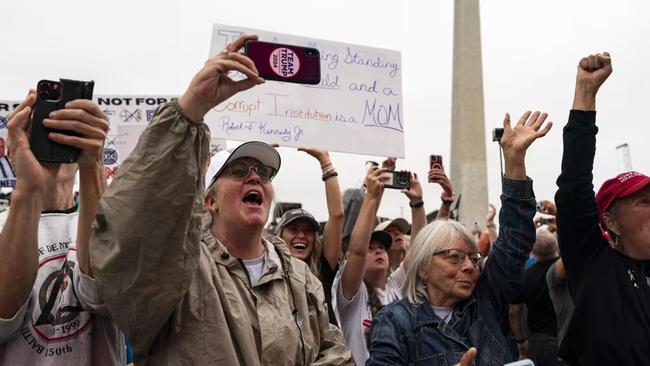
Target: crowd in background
176	257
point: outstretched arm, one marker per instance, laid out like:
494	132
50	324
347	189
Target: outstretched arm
447	196
354	268
577	219
333	232
89	123
504	272
19	237
145	244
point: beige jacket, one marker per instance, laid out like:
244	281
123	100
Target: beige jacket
177	293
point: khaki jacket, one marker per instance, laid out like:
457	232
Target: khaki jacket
177	293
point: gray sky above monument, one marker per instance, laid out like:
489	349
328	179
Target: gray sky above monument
530	51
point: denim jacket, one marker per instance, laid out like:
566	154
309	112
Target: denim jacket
407	334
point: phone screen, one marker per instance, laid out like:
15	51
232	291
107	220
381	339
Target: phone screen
282	62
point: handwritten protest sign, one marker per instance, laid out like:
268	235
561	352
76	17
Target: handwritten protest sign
356	108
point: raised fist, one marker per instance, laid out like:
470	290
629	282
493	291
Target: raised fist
593	70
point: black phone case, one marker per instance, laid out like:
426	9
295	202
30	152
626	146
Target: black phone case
44	149
396	184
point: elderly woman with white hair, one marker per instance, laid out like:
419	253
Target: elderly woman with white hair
451	312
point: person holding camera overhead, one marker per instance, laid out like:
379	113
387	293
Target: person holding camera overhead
451	312
218	294
364	285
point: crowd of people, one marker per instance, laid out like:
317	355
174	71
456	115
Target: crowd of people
176	257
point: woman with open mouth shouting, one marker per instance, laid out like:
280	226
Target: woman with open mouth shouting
299	230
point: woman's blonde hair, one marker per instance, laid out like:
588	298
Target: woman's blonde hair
435	237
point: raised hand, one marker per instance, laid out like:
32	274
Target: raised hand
438	176
85	118
321	155
374	184
548	207
492	212
212	85
517	139
32	176
414	194
593	70
389	163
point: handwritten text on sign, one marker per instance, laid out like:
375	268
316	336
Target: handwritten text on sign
356	108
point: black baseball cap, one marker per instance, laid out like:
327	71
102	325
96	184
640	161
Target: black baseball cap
383	238
297	214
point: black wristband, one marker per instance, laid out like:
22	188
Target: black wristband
329	175
417	204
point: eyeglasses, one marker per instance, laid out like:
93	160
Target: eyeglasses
457	256
241	170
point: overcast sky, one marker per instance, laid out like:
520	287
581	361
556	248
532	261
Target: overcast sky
530	53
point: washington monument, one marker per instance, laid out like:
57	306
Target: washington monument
468	164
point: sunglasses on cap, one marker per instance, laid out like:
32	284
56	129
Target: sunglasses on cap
240	170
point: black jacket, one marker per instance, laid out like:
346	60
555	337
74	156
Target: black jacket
611	322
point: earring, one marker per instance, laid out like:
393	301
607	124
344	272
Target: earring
617	243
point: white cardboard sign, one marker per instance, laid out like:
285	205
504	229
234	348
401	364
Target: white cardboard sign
356	108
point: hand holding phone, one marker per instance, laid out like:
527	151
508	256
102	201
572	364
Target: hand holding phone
52	96
435	162
397	179
282	62
212	85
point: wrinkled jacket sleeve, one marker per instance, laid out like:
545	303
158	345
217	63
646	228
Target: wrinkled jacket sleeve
333	349
504	272
146	236
578	232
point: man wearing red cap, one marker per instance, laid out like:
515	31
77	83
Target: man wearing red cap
604	241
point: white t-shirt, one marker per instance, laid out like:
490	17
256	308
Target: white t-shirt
254	267
443	313
57	325
354	315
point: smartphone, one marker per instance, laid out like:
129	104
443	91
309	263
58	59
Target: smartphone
397	179
283	62
435	162
52	96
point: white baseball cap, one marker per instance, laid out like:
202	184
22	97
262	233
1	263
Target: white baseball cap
260	151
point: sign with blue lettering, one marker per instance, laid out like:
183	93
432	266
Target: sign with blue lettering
356	108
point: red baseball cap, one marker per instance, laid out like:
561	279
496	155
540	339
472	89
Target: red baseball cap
622	185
